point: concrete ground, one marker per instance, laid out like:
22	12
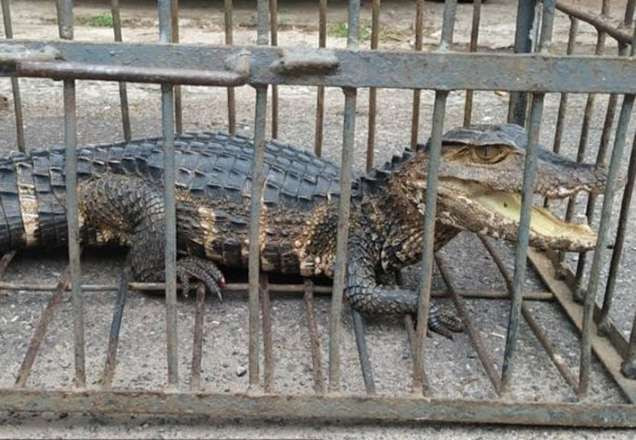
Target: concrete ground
454	369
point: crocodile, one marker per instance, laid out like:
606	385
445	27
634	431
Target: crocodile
120	196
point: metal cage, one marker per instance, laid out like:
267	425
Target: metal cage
534	70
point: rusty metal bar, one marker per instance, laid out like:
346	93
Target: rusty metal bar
601	23
532	323
475	338
237	288
64	70
273	14
314	340
123	93
268	343
373	92
258	181
521	250
409	325
15	85
417	93
229	41
523	44
619	242
167	124
113	338
529	174
597	261
178	107
563	102
351	408
320	94
424	287
606	351
474	36
65	11
40	329
356	68
587	115
360	330
197	342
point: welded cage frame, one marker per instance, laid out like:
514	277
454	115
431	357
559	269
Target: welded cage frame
531	72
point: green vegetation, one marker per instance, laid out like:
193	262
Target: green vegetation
101	20
340	30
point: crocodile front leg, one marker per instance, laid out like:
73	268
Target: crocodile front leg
365	295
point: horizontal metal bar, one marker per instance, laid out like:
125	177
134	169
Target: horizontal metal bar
351	408
64	70
601	23
606	352
538	295
358	68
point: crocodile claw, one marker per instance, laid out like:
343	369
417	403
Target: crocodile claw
202	270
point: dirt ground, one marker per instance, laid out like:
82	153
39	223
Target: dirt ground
454	369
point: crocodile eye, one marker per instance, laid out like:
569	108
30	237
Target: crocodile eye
488	154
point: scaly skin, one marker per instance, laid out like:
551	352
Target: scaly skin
121	201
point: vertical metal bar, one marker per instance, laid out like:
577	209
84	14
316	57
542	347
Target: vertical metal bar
619	242
529	174
409	325
344	208
113	338
601	244
314	340
417	94
167	124
229	40
41	327
424	287
563	102
273	13
523	44
375	37
320	97
522	240
258	180
197	342
65	11
123	93
628	368
532	323
587	115
178	107
268	343
603	145
15	85
359	328
474	35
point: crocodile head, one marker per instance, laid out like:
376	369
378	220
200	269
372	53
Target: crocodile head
480	186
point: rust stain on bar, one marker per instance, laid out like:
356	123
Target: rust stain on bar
40	329
113	338
314	340
197	343
268	343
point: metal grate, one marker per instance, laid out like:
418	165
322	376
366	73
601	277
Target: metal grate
266	65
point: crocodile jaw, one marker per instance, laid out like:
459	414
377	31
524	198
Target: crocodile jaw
496	214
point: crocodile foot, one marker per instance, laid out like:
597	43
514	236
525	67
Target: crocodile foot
201	270
445	322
